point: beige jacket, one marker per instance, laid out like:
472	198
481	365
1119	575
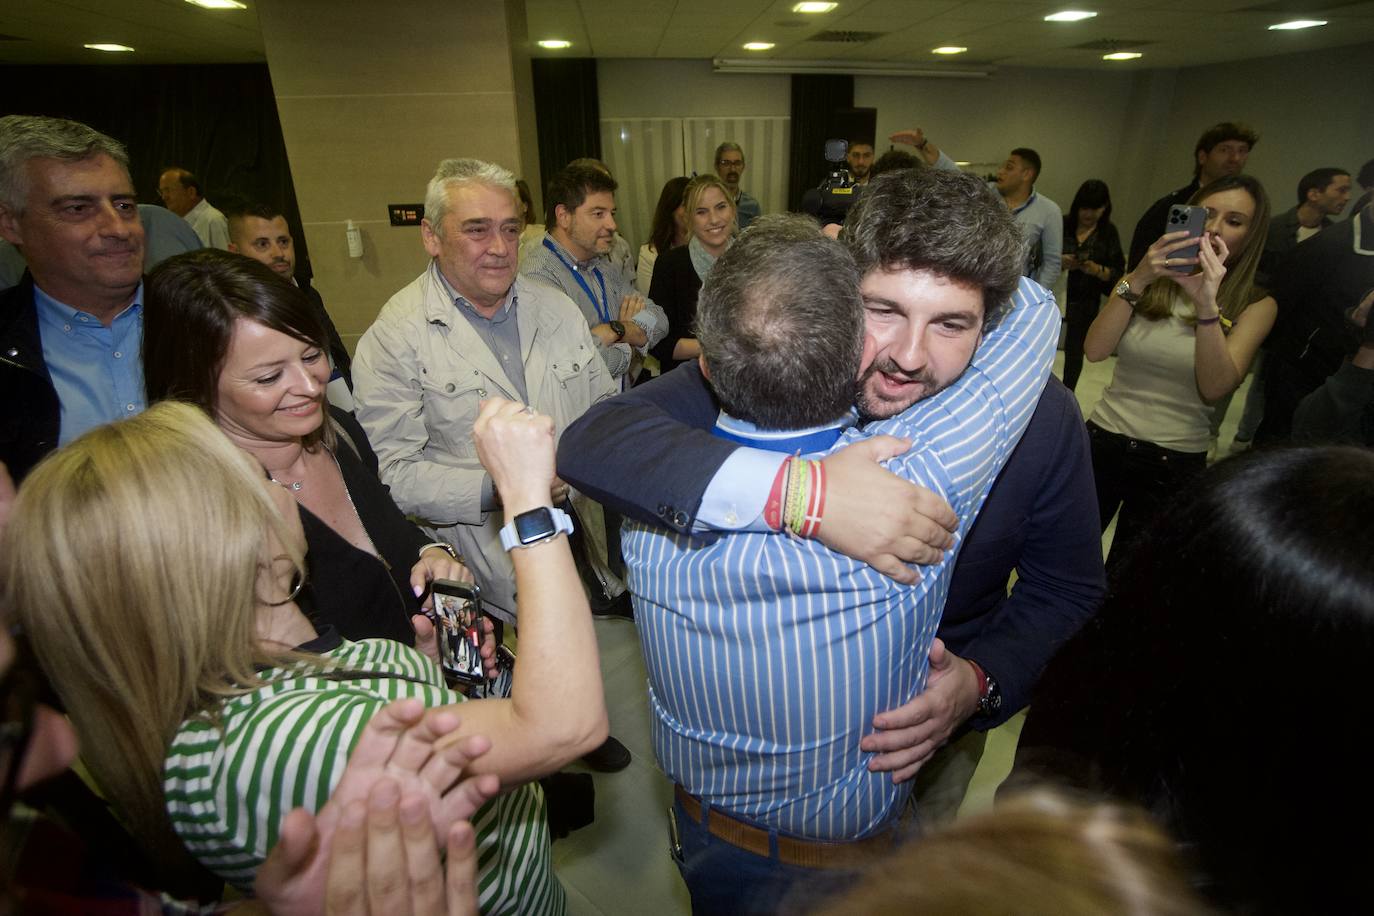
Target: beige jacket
419	376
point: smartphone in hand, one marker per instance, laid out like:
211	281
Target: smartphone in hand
458	624
1194	220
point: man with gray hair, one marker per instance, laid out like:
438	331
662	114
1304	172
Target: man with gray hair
466	329
730	167
72	329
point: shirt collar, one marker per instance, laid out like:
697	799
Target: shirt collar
1029	200
460	301
47	305
792	441
588	264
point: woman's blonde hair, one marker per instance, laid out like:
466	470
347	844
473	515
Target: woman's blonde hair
132	560
1238	288
1042	852
691	197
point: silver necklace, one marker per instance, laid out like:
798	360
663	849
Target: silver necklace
294	486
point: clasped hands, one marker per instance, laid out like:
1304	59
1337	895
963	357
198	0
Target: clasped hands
374	847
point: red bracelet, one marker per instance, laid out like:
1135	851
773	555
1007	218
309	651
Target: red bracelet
773	515
982	678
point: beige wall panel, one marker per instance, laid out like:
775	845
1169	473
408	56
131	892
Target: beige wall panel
344	47
350	157
355	289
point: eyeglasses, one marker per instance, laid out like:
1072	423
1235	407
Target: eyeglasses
729	162
19	689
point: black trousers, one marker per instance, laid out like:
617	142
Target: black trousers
1138	478
1079	315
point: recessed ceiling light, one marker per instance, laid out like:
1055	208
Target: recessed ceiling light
555	44
1297	24
1123	55
814	6
219	4
758	46
1070	16
101	46
948	49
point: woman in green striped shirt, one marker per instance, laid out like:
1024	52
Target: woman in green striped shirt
207	704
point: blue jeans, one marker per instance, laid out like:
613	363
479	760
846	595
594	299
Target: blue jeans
724	879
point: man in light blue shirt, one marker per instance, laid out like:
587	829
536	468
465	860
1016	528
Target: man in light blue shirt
769	656
71	332
1041	221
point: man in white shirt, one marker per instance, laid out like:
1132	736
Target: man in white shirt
181	192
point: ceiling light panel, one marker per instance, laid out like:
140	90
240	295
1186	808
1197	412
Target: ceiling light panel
1070	16
218	4
813	7
105	46
1296	24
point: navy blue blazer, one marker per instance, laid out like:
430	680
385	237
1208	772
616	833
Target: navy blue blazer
634	454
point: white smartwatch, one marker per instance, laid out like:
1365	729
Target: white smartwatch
535	526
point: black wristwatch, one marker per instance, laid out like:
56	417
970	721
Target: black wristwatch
619	329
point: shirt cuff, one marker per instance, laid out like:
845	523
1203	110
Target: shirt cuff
944	162
735	497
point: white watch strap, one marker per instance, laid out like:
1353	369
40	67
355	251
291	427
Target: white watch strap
562	525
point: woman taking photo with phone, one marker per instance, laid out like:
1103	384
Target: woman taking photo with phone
1185	324
678	273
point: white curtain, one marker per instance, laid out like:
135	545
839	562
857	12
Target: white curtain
643	153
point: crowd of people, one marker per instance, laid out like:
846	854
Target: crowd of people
826	470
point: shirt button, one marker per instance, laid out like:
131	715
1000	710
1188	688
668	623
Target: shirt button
731	518
117	354
130	408
66	327
481	392
575	369
83	317
450	387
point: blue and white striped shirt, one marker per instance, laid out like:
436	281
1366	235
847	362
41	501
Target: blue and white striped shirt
769	656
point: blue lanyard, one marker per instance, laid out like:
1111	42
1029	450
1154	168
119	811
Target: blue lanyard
603	308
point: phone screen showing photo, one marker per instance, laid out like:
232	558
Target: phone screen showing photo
458	625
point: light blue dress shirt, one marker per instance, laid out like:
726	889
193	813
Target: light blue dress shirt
768	656
96	371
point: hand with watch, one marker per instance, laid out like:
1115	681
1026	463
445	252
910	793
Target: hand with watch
516	446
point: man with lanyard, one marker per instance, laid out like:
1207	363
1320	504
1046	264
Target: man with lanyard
572	258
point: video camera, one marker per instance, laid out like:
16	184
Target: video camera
830	201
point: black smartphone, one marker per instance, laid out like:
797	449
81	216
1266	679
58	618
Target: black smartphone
1194	220
457	620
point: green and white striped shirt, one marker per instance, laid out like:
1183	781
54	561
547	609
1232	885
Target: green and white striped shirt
229	784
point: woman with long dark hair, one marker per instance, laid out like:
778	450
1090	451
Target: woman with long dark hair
1219	684
670	229
1094	262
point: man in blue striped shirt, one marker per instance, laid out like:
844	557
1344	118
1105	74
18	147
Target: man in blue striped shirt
769	656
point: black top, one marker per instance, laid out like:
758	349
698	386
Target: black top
1102	247
357	593
674	288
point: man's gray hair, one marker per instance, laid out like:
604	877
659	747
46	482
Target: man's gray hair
780	322
944	222
728	146
25	137
452	173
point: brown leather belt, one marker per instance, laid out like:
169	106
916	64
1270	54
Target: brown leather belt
791	850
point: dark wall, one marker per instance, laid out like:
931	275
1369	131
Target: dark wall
220	121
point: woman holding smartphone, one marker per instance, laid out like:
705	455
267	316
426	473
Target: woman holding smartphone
223	332
1094	262
209	706
1185	327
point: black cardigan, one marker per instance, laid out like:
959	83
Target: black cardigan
674	288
